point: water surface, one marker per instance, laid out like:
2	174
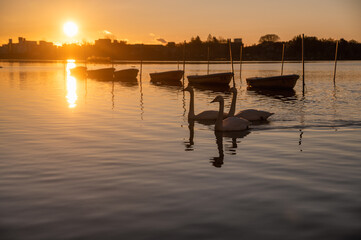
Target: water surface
87	159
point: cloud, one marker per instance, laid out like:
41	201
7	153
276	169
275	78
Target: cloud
108	34
157	39
162	40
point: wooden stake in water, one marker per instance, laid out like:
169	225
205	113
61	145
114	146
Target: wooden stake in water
240	63
334	71
283	54
230	55
113	79
208	60
184	60
303	66
141	70
141	62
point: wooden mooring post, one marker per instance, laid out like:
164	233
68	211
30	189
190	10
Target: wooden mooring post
230	55
141	70
283	54
184	61
334	71
303	65
208	60
240	63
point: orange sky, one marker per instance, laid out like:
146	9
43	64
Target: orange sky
146	21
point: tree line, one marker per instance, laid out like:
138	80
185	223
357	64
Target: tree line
269	48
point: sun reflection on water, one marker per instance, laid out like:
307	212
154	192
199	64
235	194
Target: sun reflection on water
71	84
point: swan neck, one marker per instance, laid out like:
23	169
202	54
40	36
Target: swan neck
232	110
219	121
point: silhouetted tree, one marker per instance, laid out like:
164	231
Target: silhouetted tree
196	41
269	38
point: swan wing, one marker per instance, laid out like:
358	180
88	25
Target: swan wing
235	124
208	115
253	114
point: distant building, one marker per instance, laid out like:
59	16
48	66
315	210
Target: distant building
103	42
45	44
21	40
171	44
238	40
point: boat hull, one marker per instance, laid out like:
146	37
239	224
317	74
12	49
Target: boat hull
125	74
168	76
212	79
103	73
274	82
79	72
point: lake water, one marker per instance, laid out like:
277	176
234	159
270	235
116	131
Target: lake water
87	159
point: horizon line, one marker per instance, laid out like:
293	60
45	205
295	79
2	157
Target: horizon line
113	40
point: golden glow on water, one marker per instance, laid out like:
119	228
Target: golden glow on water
71	84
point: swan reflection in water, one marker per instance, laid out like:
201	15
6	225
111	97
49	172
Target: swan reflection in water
234	137
189	144
218	161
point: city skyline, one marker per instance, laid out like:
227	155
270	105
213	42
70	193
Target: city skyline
162	21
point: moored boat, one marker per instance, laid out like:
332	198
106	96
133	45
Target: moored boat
213	79
80	72
129	73
273	82
102	73
168	76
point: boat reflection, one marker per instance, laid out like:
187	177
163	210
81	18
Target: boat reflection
71	85
211	88
102	79
129	83
126	82
284	95
177	85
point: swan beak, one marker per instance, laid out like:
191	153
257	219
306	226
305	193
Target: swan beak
213	101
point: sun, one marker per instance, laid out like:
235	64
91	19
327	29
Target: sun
70	29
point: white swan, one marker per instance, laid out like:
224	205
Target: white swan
205	115
230	123
249	114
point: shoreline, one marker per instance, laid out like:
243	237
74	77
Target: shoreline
165	62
